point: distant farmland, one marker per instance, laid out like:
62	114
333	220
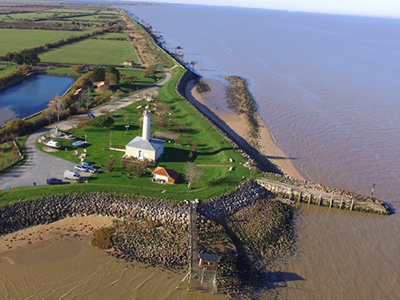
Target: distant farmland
92	51
14	40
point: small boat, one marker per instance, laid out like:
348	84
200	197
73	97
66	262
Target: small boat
52	144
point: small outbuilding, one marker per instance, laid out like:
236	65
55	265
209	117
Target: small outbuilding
165	175
208	261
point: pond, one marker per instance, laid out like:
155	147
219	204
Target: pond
31	96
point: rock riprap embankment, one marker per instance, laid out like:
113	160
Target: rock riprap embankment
19	215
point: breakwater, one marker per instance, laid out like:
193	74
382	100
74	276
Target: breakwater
20	215
250	153
312	193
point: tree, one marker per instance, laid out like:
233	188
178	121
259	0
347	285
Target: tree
102	121
189	141
87	98
150	70
111	75
16	126
30	57
129	168
98	74
111	79
179	127
129	79
160	122
195	145
18	59
192	174
72	122
58	105
139	170
49	114
110	165
76	68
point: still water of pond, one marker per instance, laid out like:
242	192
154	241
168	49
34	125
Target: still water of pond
31	96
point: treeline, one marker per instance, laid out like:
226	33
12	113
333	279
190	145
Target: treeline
14	76
28	24
27	57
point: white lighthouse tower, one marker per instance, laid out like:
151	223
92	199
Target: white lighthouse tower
146	124
144	147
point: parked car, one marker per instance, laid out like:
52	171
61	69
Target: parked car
89	167
71	174
82	168
90	115
78	143
54	181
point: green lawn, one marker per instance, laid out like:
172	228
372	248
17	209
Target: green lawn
212	154
14	17
92	51
4	69
18	39
139	84
8	155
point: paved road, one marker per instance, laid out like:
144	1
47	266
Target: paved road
37	168
40	166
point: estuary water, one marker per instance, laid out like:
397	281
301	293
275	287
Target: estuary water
328	89
31	96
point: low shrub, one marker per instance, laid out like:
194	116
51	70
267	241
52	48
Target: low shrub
102	237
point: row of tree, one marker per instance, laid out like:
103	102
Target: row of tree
15	75
23	57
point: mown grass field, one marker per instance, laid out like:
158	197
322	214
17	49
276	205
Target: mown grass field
92	51
14	40
31	16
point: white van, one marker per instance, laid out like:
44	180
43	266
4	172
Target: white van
72	175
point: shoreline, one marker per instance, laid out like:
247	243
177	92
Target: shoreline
236	124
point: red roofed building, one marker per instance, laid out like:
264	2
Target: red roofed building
164	175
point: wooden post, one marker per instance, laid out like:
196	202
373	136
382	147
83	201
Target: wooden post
291	194
309	199
214	289
331	202
352	205
341	204
320	200
300	196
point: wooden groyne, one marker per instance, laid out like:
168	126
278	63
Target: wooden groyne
344	200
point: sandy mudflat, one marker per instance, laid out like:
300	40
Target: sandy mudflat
59	263
238	124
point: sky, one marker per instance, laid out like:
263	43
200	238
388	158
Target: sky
382	8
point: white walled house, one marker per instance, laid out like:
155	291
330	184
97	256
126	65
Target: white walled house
144	147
